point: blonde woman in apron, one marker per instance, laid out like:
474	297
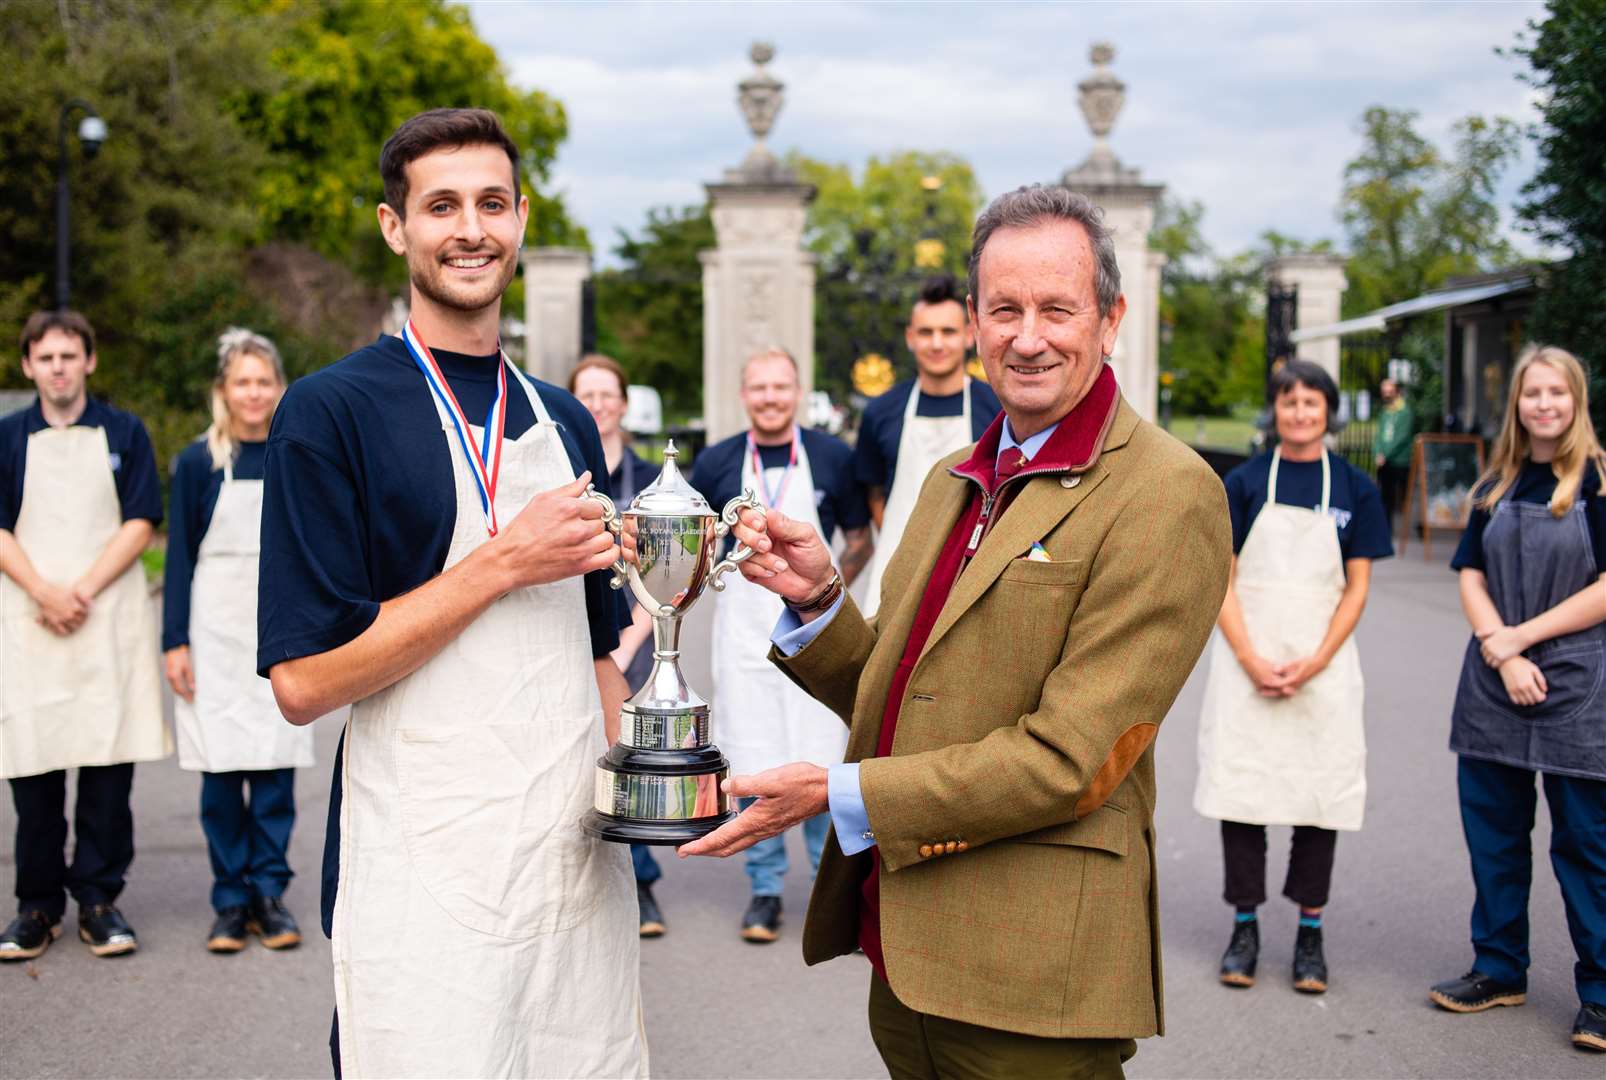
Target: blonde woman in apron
761	718
1281	738
229	727
79	671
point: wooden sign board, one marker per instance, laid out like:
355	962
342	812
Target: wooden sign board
1438	495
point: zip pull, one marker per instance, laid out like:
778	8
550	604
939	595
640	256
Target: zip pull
981	525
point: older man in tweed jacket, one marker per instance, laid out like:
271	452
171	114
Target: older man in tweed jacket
994	843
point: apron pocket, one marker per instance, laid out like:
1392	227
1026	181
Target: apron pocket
490	816
1572	677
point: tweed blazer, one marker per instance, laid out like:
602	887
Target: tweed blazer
1023	754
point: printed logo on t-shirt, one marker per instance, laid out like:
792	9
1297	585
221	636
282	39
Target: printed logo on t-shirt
1338	514
116	460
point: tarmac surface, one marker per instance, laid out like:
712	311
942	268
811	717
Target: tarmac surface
719	1007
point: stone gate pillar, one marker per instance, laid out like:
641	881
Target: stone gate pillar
554	278
1128	203
758	281
1320	281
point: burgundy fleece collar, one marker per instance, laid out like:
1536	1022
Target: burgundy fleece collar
1074	446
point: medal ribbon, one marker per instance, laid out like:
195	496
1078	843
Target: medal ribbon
485	460
772	501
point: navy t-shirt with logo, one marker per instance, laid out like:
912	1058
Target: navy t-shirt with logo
1535	484
1353	501
875	456
131	459
838	495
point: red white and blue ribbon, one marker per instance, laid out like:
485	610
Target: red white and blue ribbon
772	501
485	460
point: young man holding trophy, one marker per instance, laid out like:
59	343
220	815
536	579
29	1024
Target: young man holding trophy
993	841
429	558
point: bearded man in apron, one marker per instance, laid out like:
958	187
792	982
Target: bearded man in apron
443	575
917	423
79	677
229	727
1282	738
761	718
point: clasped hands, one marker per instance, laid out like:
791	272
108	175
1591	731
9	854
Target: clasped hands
1280	680
63	608
1502	649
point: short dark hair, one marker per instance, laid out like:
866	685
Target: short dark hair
1311	376
939	289
41	323
432	130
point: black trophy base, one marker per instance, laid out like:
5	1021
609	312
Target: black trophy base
656	833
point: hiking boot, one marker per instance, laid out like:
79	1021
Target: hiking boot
29	934
1589	1029
1475	992
1310	966
1243	951
228	933
103	928
652	920
761	923
270	919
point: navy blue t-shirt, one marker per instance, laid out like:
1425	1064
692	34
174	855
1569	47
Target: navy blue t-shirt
1353	501
132	460
875	458
1535	484
838	495
196	486
359	502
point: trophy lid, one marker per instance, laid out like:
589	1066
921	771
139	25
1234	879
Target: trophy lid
670	495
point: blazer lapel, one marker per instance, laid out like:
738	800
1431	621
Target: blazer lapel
1031	516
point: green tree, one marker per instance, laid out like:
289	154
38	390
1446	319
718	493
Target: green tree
1415	216
1566	203
868	233
650	309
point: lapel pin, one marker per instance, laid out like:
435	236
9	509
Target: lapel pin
1068	482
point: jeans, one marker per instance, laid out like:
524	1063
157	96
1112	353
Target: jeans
647	870
1497	815
766	860
248	837
103	845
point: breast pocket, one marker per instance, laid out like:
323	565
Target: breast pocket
490	816
1069	574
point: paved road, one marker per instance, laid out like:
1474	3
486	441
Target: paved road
717	1006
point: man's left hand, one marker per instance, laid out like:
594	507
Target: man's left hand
786	796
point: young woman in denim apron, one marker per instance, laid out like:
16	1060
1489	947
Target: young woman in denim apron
1531	696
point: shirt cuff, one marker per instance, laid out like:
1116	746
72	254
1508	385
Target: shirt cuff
791	634
848	816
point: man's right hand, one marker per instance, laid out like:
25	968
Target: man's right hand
559	534
180	674
789	557
61	610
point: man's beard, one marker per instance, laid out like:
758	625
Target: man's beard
429	278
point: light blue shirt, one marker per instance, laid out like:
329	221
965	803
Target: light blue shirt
791	635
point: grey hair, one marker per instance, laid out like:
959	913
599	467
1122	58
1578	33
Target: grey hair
1037	205
234	342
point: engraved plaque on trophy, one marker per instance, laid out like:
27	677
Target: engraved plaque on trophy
660	783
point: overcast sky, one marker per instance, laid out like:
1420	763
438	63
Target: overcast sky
1248	108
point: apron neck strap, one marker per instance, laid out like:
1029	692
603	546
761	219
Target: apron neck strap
1327	478
228	470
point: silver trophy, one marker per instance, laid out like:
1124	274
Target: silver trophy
660	783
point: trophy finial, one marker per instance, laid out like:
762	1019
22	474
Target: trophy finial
670	451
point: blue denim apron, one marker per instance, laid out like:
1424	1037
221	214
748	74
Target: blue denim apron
1533	561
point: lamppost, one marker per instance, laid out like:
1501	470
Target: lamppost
91	133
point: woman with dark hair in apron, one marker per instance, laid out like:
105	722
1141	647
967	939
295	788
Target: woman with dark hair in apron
1533	586
1281	739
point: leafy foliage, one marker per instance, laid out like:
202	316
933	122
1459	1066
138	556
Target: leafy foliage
1567	197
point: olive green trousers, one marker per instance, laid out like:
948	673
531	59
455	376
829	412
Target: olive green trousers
918	1046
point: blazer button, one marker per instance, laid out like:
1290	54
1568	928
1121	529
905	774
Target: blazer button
950	847
925	851
963	846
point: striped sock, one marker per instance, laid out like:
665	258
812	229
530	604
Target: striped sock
1312	919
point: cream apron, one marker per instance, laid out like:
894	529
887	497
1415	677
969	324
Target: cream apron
93	697
761	719
925	441
478	931
1285	761
234	723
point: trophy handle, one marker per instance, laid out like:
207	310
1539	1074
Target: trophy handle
741	552
610	518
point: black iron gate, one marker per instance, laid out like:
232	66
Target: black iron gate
1363	362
